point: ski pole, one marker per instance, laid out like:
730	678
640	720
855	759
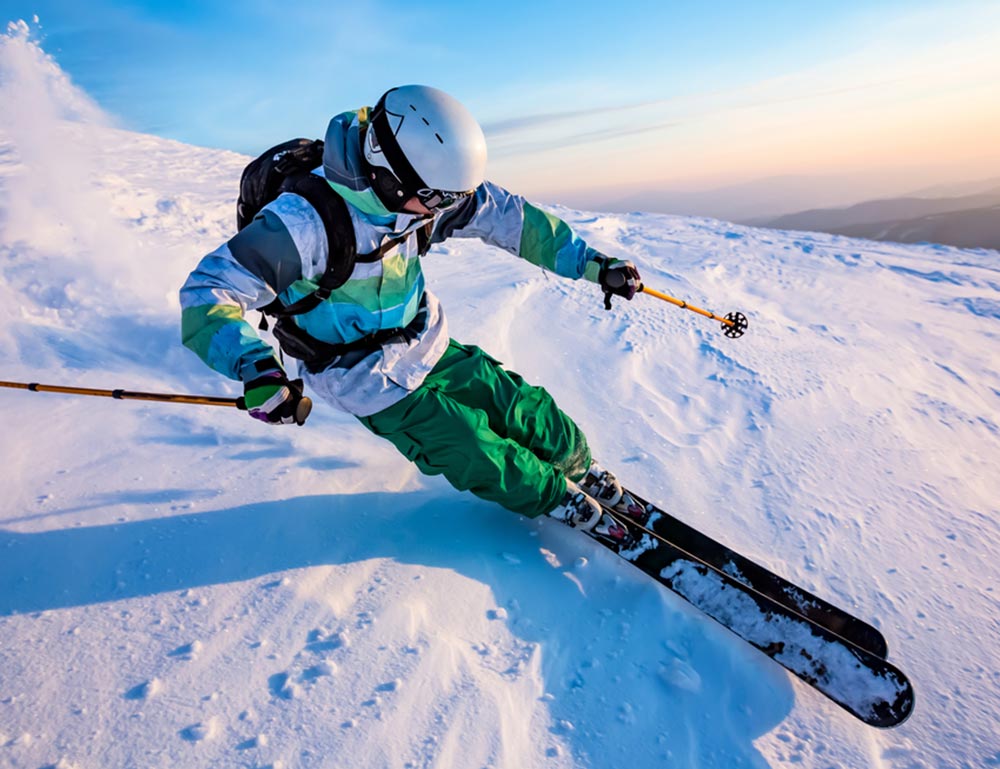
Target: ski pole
201	400
734	325
305	405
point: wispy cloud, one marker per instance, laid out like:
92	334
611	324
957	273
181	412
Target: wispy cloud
500	128
565	141
545	131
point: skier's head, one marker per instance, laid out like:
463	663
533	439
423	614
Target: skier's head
422	143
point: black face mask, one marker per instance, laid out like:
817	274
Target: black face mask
386	186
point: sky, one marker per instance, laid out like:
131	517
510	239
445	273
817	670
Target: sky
584	104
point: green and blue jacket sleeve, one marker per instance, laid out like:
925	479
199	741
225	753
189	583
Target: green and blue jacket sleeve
510	222
238	276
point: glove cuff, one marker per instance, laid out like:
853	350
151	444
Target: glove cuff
594	265
261	368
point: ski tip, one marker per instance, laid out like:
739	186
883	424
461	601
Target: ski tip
886	715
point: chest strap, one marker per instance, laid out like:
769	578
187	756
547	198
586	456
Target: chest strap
317	355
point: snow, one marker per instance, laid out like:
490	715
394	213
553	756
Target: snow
835	669
182	586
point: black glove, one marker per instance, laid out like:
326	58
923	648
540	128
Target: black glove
620	278
274	399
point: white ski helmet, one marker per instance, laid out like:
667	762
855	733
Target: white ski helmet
424	143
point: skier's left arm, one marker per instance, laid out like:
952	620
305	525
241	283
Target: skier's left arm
510	222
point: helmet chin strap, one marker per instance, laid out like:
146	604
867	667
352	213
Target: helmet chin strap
408	178
382	181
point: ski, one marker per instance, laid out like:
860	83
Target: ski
766	582
862	683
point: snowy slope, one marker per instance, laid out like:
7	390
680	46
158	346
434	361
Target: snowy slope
183	587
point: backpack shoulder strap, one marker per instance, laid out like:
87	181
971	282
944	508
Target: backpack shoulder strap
342	251
424	238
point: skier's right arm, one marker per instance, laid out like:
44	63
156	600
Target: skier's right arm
246	273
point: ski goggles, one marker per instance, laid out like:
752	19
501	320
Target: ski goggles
439	200
389	188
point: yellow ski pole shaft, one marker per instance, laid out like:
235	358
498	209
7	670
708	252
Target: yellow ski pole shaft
733	325
199	400
685	306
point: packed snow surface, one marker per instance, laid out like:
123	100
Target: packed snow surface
181	586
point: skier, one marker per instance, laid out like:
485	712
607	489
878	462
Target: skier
411	172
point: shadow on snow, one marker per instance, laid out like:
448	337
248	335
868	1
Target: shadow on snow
708	716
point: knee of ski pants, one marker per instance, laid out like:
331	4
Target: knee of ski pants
532	408
443	437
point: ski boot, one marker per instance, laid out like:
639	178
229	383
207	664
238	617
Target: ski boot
579	510
602	485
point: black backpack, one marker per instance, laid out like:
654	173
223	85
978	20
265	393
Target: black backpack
288	167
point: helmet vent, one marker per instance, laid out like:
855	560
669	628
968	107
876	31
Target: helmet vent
439	138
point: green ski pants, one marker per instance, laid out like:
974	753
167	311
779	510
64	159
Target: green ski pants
487	431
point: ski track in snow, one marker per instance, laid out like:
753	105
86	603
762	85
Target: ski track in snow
180	586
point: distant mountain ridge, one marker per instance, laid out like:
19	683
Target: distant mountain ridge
966	221
758	200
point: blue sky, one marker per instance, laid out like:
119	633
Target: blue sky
637	94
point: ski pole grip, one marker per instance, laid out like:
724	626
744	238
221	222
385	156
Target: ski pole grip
302	410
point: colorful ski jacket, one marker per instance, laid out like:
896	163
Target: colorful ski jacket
283	252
